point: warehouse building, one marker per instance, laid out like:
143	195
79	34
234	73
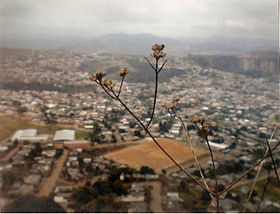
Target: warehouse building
28	135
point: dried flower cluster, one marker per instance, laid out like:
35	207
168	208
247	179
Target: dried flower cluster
177	99
275	124
98	76
213	124
158	53
123	72
108	83
169	106
197	119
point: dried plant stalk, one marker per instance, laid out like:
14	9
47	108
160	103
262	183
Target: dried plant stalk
108	85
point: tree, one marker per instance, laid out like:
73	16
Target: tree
33	204
12	176
84	194
95	135
114	138
22	110
147	170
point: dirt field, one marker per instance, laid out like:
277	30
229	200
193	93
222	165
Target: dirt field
148	154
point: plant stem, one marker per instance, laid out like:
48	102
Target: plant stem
193	153
121	86
161	148
214	168
155	100
248	171
272	159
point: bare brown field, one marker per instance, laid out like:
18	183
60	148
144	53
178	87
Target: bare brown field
148	154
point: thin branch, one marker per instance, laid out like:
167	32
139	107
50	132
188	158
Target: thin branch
107	91
257	175
253	185
161	148
121	86
272	159
162	66
214	167
194	156
155	94
264	190
150	64
248	171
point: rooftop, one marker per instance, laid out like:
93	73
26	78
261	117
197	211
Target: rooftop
64	135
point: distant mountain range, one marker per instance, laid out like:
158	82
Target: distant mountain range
139	44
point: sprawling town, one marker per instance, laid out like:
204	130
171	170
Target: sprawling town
71	127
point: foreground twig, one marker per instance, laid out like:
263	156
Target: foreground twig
108	85
264	190
272	159
248	171
214	167
194	156
257	175
161	148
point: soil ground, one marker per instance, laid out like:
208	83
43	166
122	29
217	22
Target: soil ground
149	154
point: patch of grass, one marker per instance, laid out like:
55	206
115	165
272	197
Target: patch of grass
272	191
9	124
82	135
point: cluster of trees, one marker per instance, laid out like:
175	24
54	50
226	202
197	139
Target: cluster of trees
96	134
99	197
165	126
33	204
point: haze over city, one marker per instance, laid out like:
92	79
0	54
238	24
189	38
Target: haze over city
69	19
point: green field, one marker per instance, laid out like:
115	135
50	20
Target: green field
9	124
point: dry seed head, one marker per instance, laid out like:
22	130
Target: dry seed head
108	83
201	119
103	73
100	75
177	99
158	53
123	72
276	124
194	119
213	124
169	106
93	78
111	84
155	47
161	47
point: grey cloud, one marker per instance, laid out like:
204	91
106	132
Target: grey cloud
174	18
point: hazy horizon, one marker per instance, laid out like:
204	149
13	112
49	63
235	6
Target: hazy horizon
28	19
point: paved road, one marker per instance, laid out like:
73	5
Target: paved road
49	183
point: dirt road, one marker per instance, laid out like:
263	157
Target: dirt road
10	154
156	203
49	183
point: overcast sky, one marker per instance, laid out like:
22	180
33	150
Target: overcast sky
169	18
